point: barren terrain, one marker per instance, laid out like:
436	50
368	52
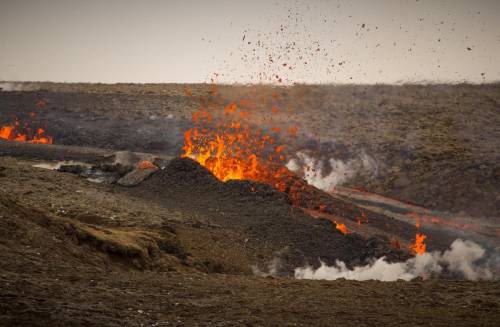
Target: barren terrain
183	248
433	145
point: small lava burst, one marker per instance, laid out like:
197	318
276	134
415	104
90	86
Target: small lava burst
342	228
145	164
24	133
419	246
225	143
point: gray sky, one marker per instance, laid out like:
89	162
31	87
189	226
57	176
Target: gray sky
370	41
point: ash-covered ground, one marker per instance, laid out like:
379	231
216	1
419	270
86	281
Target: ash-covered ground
183	248
432	145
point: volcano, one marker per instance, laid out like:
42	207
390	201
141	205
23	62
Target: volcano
118	220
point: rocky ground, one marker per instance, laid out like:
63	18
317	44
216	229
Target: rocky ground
79	253
182	248
432	145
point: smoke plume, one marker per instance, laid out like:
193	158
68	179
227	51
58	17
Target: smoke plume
272	268
461	260
326	173
8	87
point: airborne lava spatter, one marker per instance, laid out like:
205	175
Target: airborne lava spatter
342	228
419	247
225	143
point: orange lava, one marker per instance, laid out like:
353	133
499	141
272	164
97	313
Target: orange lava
419	246
342	228
225	143
19	131
23	133
145	164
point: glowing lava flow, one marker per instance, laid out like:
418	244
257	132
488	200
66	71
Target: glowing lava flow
224	142
14	132
231	148
23	132
342	228
146	164
419	246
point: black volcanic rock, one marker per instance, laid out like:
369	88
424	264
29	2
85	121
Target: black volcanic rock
262	213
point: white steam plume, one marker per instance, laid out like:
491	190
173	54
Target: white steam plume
460	259
8	86
272	268
313	169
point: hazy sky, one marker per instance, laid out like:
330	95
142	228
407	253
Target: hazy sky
368	41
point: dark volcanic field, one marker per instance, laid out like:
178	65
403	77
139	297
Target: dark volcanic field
435	145
180	249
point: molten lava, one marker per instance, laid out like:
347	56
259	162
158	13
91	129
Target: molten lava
234	152
228	146
146	164
419	247
23	133
223	141
342	228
